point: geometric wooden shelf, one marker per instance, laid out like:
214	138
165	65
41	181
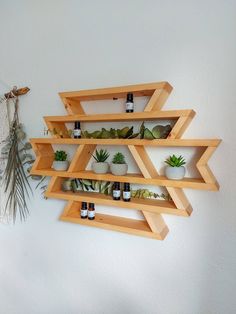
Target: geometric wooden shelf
153	225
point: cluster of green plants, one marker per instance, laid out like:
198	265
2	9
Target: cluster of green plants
145	193
157	132
174	161
125	132
102	155
103	187
60	155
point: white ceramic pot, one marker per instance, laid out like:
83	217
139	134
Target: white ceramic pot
100	167
60	165
119	169
175	173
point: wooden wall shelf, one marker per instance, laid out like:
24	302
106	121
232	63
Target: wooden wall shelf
153	225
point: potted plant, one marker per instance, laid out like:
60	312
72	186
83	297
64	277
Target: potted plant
175	169
60	161
100	165
118	166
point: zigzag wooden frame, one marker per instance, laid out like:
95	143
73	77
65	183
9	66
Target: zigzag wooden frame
153	224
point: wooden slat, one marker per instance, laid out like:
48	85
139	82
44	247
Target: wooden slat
136	178
81	158
72	106
115	223
158	99
111	117
137	142
150	205
115	92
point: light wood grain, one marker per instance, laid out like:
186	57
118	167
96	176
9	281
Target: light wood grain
115	223
137	142
136	178
150	205
111	117
138	90
154	225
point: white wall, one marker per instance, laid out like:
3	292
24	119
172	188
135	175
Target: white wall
47	266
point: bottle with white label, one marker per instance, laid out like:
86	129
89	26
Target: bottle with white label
129	105
116	191
126	193
84	210
77	130
91	211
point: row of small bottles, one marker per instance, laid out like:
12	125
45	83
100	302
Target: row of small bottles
126	193
129	105
87	211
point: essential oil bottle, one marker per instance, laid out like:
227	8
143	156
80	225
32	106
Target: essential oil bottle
126	192
91	211
129	105
116	191
77	130
84	210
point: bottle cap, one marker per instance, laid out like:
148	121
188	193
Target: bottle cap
130	97
77	124
91	205
84	205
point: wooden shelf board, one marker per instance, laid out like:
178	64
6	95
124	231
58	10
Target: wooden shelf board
136	142
115	223
191	183
152	115
116	92
150	205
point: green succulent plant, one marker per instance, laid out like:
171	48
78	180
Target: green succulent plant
174	161
60	155
101	155
158	132
118	158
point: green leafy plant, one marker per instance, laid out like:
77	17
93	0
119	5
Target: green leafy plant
60	155
118	158
14	178
101	155
145	193
103	187
174	161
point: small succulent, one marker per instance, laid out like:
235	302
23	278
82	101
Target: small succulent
118	158
60	155
174	161
158	132
101	155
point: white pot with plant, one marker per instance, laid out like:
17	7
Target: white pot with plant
60	161
100	165
118	166
175	169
